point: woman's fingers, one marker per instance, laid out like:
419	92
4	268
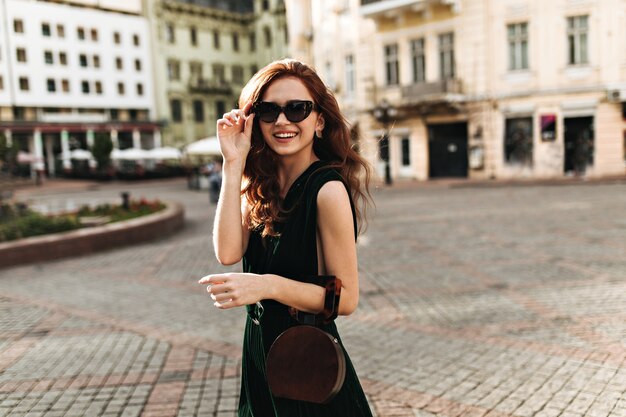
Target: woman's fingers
213	279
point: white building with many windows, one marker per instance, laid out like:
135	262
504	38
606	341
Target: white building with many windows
69	72
478	88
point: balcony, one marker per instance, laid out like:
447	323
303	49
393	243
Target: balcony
214	86
391	8
434	91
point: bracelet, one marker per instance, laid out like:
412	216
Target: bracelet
330	311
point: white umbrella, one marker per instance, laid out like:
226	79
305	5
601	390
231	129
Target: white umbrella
116	153
166	152
82	154
206	146
133	154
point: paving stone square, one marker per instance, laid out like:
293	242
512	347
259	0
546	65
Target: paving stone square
475	301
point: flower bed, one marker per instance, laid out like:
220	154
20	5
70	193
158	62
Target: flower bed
18	221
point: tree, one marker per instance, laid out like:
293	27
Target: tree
101	150
8	153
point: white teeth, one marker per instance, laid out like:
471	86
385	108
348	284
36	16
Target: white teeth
284	135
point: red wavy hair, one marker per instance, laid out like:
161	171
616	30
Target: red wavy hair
261	187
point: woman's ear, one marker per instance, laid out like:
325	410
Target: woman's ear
319	125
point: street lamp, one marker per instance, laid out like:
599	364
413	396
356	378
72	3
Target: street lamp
384	114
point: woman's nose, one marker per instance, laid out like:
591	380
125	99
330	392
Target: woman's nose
282	119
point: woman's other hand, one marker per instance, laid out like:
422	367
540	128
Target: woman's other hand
235	289
234	133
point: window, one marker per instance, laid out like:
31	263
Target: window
82	58
268	36
216	39
94	35
137	65
198	111
48	57
406	152
62	58
577	33
21	54
80	33
236	41
98	87
136	40
350	75
114	114
418	61
139	89
65	85
132	114
96	61
518	142
84	85
173	70
51	85
60	31
328	75
265	5
1	83
252	42
446	56
220	108
253	69
117	39
119	63
19	113
170	34
518	46
237	71
218	73
195	70
176	110
45	29
120	89
391	64
18	26
24	84
193	36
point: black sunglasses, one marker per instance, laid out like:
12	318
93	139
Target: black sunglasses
295	111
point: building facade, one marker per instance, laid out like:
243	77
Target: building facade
68	72
204	53
481	88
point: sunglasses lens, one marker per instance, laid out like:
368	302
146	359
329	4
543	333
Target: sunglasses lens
297	111
268	112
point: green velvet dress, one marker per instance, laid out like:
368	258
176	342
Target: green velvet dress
292	255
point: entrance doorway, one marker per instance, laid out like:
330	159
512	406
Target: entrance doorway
447	150
579	144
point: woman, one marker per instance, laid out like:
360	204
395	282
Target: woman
289	147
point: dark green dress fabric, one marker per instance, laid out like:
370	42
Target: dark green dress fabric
292	255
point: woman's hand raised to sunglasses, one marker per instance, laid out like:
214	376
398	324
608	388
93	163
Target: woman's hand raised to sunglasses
234	133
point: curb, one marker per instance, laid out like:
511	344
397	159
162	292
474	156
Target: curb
94	239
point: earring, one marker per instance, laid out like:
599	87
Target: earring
316	136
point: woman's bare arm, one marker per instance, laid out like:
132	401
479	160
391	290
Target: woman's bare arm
336	231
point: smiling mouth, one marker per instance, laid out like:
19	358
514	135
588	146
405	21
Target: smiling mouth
284	135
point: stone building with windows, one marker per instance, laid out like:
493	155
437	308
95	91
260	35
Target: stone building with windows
69	71
480	88
204	52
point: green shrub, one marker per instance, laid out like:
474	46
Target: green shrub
17	221
35	224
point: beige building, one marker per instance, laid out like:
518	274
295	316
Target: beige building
480	88
204	52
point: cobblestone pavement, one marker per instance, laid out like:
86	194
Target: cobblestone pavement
505	301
